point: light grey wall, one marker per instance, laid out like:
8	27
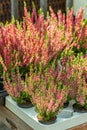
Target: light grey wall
43	5
80	4
69	4
14	8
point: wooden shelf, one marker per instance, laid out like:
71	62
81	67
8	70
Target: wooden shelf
11	120
80	127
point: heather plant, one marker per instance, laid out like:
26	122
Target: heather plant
40	41
49	102
67	74
57	34
13	84
81	95
16	87
74	74
36	44
9	45
48	93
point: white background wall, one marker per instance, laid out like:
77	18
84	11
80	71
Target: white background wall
78	4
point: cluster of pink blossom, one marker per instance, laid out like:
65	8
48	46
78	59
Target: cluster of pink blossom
74	75
13	84
40	40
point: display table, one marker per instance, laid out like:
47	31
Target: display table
11	120
25	119
16	123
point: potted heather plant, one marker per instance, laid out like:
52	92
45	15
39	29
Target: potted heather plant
68	72
17	89
74	75
49	104
48	94
81	94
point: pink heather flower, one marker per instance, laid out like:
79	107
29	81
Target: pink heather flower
80	99
50	105
69	22
60	18
55	107
34	16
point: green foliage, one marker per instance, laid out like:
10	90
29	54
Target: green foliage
24	98
25	5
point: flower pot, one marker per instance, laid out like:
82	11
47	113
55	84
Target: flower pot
47	122
78	108
25	105
24	100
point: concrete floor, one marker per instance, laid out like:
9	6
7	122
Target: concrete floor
3	127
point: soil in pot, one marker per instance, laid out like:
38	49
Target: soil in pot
46	122
78	108
25	105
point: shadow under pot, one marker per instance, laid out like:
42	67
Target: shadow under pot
25	105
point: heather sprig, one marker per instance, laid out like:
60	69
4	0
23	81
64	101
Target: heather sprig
13	83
